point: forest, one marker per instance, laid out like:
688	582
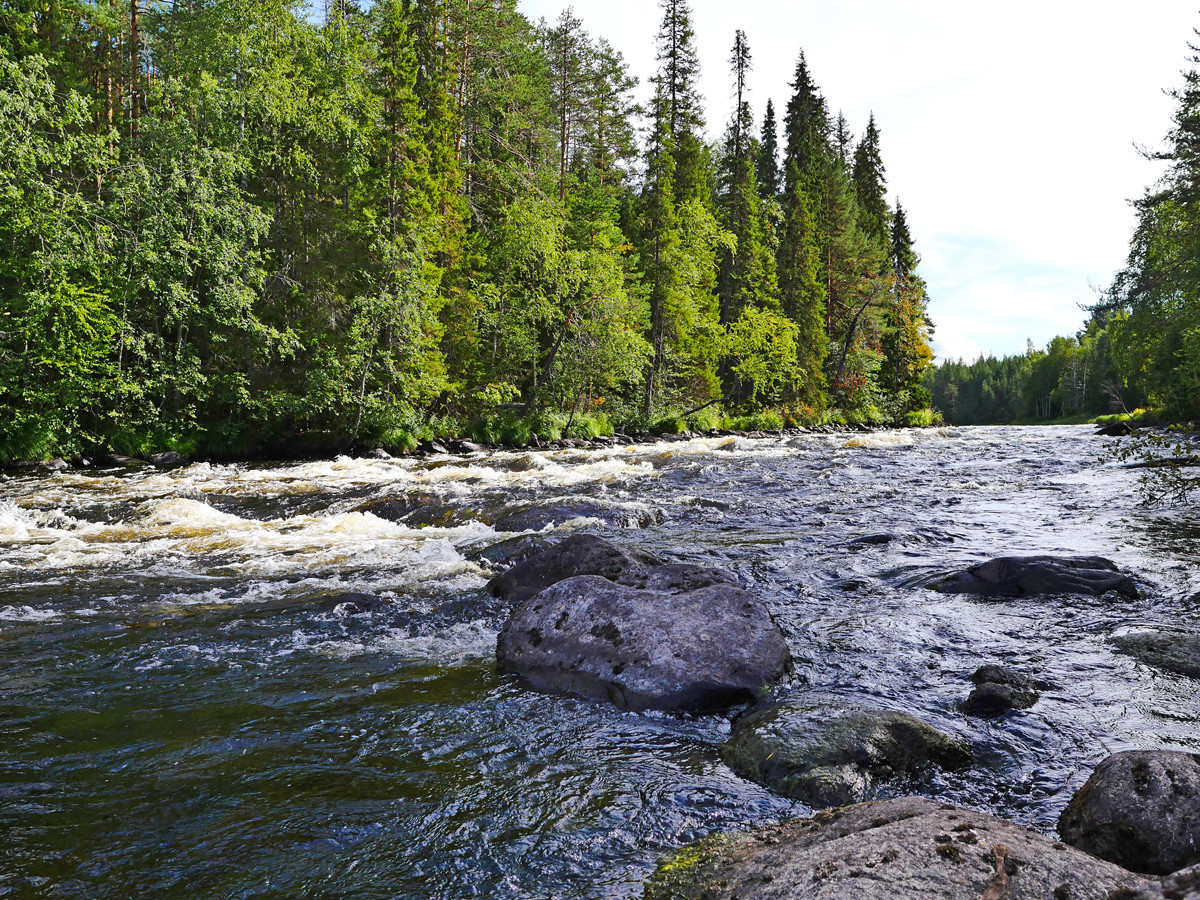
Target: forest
1140	346
247	227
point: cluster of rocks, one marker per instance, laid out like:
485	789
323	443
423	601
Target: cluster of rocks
166	460
461	447
426	510
596	620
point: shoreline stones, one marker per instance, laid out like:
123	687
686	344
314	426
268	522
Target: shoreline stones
1026	576
670	645
911	847
1140	809
999	689
828	752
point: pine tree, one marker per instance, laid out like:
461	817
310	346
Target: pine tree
870	184
843	139
659	242
747	272
767	168
677	82
802	289
806	123
904	259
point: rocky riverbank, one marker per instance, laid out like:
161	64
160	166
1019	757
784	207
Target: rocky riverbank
621	626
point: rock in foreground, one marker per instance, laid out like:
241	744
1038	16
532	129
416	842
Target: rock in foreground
911	848
827	752
1025	576
1141	810
668	646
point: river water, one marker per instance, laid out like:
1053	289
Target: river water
180	718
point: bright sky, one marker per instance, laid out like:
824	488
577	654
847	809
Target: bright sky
1009	132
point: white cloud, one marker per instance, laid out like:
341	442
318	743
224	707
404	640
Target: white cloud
1008	132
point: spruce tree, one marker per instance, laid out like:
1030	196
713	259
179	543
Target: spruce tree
677	82
870	185
767	168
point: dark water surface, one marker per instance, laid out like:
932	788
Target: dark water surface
179	719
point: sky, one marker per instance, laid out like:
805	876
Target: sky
1010	133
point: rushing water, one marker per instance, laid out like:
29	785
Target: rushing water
180	718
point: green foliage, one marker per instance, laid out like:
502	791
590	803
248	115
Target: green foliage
242	227
1168	460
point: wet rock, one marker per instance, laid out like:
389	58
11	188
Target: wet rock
1114	429
441	515
351	603
579	554
509	553
870	540
826	751
431	447
698	651
395	509
1021	576
169	459
901	849
55	465
1174	651
116	460
1140	809
466	447
548	514
1181	885
377	453
999	689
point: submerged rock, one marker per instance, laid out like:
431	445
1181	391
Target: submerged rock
351	603
667	647
911	848
579	554
1174	651
552	513
509	553
829	752
1021	576
1141	810
999	689
394	509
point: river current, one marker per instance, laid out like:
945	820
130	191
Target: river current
180	717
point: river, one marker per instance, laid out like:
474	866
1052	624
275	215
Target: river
180	717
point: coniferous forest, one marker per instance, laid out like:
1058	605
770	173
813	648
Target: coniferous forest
237	227
1140	345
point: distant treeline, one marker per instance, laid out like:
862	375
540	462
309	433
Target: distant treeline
1141	344
242	226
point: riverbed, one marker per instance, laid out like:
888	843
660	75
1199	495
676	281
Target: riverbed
182	716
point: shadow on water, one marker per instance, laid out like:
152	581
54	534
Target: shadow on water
183	717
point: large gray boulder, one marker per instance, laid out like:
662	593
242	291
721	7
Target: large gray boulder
1174	651
1141	810
579	554
672	643
1023	576
826	751
910	848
